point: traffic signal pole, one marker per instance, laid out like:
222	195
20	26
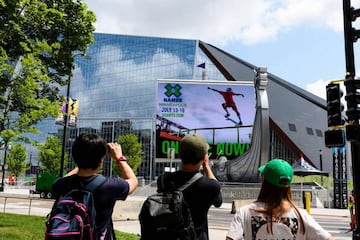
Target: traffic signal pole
355	157
350	36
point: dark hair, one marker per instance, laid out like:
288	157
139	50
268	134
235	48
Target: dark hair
189	156
272	196
88	150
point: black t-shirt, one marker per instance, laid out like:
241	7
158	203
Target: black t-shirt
105	196
200	196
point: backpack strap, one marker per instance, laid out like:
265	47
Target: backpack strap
191	181
95	183
161	182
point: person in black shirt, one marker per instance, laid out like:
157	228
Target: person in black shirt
203	193
88	152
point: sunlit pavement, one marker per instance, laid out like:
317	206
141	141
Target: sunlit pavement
133	226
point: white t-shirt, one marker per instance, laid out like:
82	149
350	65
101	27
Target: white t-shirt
249	224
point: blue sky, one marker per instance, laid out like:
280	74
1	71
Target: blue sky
300	41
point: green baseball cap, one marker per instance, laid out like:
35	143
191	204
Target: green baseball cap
195	143
277	172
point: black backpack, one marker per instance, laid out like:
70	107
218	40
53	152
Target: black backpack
73	215
166	215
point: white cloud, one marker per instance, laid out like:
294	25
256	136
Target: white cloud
318	88
112	75
215	21
327	14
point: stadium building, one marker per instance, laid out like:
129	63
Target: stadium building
116	94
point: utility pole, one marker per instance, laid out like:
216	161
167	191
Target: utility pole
321	167
2	187
66	116
353	99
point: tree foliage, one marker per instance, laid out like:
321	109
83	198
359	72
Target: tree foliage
38	39
50	154
16	160
132	149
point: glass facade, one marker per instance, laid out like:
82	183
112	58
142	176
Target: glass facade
119	79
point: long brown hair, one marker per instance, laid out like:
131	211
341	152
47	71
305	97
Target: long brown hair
273	196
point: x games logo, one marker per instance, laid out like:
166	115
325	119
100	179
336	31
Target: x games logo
173	90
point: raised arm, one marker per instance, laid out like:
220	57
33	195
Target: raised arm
207	169
239	94
72	172
127	172
215	90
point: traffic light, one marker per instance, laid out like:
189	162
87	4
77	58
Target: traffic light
353	133
334	105
352	98
334	138
350	15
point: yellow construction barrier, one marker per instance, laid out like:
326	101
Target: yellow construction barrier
307	201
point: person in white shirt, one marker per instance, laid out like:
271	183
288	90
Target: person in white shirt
274	215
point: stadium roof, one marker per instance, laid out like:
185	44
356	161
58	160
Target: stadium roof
297	116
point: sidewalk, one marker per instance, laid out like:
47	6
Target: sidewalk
133	226
216	233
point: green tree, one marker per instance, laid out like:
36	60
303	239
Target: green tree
132	150
38	39
50	154
16	160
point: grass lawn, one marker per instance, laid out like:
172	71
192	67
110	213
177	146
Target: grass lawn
24	227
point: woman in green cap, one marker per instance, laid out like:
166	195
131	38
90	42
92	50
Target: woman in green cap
274	215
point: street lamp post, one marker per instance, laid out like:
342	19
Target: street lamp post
3	168
321	167
66	119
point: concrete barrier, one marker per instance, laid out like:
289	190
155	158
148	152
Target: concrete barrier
128	209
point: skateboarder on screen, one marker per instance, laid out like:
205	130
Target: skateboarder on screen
229	101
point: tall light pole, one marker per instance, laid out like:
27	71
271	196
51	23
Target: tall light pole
321	167
66	118
3	167
351	35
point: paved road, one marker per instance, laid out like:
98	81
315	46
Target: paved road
336	221
337	226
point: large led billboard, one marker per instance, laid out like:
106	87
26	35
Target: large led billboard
223	112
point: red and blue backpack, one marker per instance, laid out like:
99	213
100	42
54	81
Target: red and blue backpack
73	215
